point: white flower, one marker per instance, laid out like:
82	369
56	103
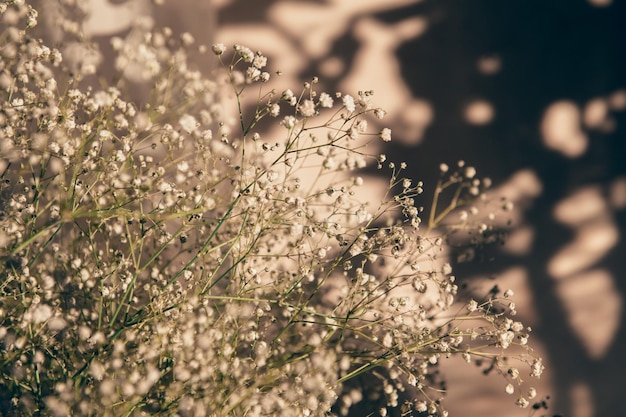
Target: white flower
290	97
517	326
361	126
274	110
326	100
385	134
188	123
387	340
289	122
42	313
307	108
348	102
187	39
183	166
421	407
505	339
253	73
537	368
259	61
514	372
120	156
245	53
165	187
522	402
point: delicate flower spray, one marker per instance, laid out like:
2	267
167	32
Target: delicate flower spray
164	260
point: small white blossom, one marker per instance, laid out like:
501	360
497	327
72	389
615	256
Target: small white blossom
187	39
259	61
290	97
348	102
289	122
307	108
387	340
188	123
274	110
41	313
253	74
245	53
385	134
219	49
522	402
379	113
326	100
537	368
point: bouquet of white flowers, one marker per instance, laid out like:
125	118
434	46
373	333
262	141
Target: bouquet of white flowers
169	259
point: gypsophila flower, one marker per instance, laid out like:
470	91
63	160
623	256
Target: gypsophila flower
385	134
253	74
348	103
289	122
537	368
522	402
259	61
187	39
290	97
274	110
307	108
245	53
188	123
218	49
326	100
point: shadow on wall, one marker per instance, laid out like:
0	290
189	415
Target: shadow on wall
531	93
555	82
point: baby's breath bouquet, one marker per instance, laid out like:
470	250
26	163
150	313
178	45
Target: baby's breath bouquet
167	258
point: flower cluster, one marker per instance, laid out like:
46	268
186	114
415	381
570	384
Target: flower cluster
163	259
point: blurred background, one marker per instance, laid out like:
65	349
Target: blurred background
530	92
